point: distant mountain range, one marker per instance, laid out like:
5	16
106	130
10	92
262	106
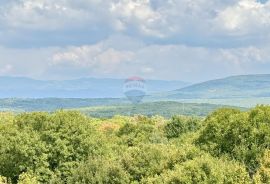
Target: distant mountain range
245	86
241	91
20	87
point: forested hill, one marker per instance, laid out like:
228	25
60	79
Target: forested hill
244	86
108	107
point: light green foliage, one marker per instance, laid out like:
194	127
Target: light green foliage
27	178
3	180
263	173
6	117
20	151
67	147
204	169
149	160
50	145
241	135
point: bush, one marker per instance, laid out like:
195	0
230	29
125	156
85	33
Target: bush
3	180
99	170
27	178
143	130
20	151
147	160
205	169
6	117
263	173
241	135
180	125
50	145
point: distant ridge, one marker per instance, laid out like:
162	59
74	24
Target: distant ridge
242	86
22	87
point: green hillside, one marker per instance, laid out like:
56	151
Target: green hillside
245	86
52	104
165	109
108	107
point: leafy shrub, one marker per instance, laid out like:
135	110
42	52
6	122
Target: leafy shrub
263	173
241	135
180	125
143	130
20	151
3	180
205	169
50	145
27	178
148	160
99	170
6	117
144	161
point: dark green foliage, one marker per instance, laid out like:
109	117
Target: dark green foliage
180	125
108	107
164	108
99	169
142	130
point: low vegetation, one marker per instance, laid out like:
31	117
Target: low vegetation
228	146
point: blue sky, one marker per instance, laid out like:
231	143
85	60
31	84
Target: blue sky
155	39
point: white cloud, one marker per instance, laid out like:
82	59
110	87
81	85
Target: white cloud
110	59
95	58
185	21
42	15
162	61
137	13
247	17
172	39
24	62
148	70
6	69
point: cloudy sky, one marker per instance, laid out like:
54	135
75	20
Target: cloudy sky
189	40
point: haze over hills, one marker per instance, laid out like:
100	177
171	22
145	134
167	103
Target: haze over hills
241	91
21	87
244	86
231	87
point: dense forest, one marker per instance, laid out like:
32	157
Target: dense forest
228	146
